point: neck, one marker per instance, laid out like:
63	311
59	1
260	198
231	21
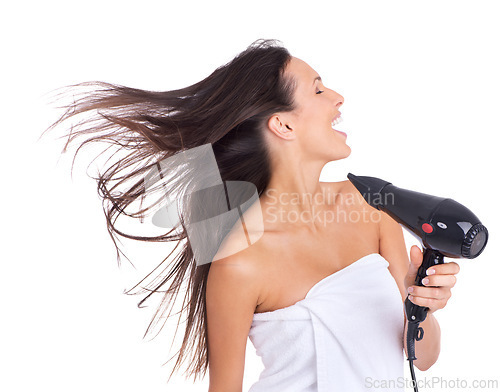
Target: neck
294	196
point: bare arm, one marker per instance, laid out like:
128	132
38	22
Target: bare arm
232	296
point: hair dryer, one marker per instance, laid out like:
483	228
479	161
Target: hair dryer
444	227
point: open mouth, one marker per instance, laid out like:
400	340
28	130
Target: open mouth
337	120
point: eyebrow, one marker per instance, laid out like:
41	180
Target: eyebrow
317	78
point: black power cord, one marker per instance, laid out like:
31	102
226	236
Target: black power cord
412	371
413	333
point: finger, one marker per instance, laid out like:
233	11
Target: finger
438	293
432	304
416	255
450	268
416	258
440	281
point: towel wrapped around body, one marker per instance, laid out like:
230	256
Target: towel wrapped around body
346	335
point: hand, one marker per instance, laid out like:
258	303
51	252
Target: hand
437	291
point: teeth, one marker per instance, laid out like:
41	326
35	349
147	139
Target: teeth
337	121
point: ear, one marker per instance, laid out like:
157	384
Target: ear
280	127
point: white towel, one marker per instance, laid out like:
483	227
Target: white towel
345	335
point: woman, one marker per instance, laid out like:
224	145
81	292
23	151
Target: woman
323	251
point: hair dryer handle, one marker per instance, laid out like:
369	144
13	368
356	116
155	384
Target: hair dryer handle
416	313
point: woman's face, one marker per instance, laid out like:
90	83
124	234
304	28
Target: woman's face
313	119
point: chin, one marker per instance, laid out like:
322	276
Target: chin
341	153
348	151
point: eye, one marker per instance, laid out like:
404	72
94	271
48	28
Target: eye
319	91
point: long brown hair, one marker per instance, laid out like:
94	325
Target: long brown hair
228	110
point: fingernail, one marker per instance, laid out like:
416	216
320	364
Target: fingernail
410	289
430	271
425	281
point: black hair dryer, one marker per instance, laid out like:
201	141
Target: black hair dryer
444	227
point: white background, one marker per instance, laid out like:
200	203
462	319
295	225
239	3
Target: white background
422	90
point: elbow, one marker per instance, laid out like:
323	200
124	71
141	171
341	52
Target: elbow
425	365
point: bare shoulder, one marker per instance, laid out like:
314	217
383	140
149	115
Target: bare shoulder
238	270
240	264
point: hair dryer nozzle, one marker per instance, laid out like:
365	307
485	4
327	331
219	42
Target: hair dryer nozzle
370	188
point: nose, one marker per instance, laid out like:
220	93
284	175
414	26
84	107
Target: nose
337	99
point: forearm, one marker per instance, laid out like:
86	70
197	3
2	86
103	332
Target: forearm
426	350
